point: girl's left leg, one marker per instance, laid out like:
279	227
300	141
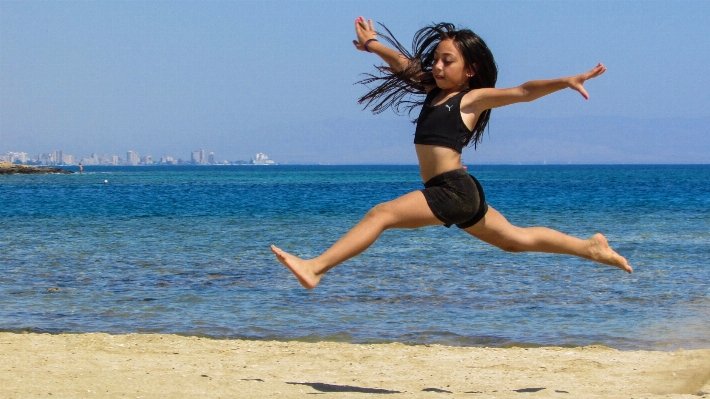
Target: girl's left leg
496	230
408	211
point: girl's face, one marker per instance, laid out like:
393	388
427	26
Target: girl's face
449	68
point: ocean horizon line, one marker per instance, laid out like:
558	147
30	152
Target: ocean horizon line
386	164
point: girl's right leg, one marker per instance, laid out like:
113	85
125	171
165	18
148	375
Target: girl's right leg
496	230
408	211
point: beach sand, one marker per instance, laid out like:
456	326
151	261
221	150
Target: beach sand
171	366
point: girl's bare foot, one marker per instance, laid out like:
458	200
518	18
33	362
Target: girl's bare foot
298	267
602	253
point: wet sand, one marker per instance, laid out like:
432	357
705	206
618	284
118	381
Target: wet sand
170	366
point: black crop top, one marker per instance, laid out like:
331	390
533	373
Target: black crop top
442	125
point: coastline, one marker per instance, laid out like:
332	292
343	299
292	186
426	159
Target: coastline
172	366
7	168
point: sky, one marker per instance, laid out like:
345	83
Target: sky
164	78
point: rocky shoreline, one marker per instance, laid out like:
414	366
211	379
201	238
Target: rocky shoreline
7	168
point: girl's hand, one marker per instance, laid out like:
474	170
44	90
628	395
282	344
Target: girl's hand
577	82
364	31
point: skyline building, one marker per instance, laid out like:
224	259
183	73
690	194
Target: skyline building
13	157
58	157
262	159
132	158
199	158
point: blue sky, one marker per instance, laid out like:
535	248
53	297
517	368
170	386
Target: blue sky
239	77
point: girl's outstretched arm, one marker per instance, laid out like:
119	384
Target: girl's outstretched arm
366	35
482	99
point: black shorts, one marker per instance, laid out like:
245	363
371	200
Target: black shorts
455	197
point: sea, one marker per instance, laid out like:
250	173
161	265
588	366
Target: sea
185	250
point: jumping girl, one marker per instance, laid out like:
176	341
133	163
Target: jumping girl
457	73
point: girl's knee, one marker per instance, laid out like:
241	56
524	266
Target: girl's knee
382	213
378	211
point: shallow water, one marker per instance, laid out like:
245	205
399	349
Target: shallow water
185	250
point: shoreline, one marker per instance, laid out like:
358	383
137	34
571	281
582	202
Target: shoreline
7	168
344	338
164	365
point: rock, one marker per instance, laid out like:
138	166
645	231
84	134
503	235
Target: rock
6	168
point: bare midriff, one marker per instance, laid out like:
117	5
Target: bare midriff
435	160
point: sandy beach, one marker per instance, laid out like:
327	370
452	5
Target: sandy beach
171	366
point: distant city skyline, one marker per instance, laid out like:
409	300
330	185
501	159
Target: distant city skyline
59	158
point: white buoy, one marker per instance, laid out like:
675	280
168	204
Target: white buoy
105	181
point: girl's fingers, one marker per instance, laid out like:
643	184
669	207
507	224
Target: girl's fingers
596	71
364	24
360	27
358	32
600	69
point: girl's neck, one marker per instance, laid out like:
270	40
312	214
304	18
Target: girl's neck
453	90
445	94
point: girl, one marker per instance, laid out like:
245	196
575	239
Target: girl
457	72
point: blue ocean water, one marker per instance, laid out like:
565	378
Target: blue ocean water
186	250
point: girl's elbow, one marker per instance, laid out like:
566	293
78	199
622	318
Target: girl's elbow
402	64
524	95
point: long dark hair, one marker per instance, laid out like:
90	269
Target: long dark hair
405	90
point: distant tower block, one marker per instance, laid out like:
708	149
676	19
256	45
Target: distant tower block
262	159
210	158
199	157
132	158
